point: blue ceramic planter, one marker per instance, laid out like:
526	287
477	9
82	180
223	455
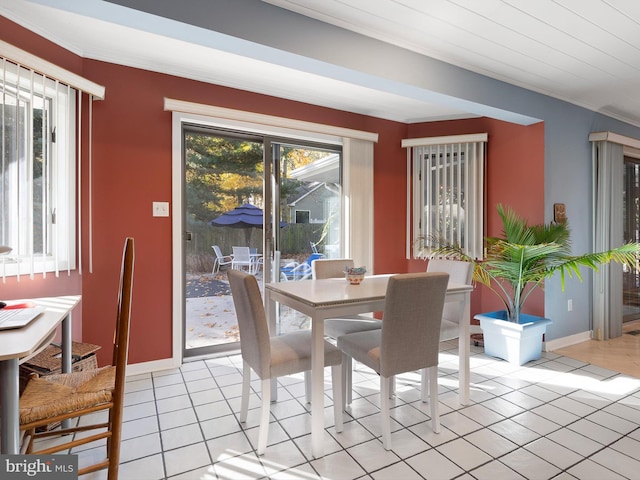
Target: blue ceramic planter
517	343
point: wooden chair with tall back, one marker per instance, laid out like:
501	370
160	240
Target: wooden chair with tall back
274	356
409	339
65	396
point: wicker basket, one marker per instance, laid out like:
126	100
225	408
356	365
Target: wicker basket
49	361
83	357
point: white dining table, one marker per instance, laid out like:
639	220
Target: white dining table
21	342
335	297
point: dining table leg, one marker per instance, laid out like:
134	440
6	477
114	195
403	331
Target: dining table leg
67	355
317	386
464	350
9	404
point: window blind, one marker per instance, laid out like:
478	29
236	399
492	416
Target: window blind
448	192
40	108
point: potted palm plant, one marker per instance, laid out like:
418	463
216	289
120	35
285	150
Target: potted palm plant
514	266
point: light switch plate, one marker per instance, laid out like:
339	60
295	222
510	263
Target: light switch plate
160	209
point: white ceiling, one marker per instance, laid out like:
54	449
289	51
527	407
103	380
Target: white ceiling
586	52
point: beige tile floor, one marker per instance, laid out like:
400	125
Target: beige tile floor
621	354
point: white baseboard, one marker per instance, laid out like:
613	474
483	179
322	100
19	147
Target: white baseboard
153	366
552	345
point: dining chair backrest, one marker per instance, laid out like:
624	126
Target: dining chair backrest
123	319
459	272
411	322
330	267
252	321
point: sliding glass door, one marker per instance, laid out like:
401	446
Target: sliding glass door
306	197
230	180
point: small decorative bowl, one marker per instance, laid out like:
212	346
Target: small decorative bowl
355	278
355	275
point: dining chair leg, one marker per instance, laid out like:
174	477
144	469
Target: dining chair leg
424	383
385	392
265	415
347	380
307	387
433	398
336	381
246	382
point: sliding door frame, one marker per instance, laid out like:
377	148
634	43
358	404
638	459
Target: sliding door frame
357	147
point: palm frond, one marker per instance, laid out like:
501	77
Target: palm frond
526	256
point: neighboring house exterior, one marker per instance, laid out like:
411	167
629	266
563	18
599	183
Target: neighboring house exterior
318	197
314	204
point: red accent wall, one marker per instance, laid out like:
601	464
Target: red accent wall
132	168
515	178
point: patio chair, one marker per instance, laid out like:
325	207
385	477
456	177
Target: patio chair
299	271
242	259
274	356
407	341
220	260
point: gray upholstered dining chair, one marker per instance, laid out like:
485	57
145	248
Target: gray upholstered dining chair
408	340
336	327
274	356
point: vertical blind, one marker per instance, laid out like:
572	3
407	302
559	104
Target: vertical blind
608	172
40	108
448	192
608	152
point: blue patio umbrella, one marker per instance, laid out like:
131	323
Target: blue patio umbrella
245	216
